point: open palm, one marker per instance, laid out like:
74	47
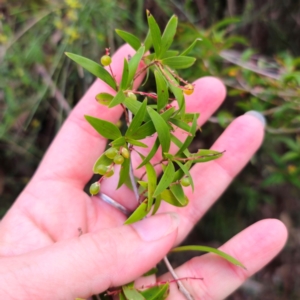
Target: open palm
57	242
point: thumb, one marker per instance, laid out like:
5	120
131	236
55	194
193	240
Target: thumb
91	263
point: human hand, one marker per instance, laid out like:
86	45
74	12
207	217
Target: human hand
45	256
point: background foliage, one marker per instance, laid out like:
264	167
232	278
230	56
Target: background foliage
253	46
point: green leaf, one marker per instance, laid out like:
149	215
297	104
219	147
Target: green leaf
105	128
162	129
148	41
190	48
132	294
168	35
136	143
204	155
180	124
178	93
170	53
152	180
150	154
137	120
118	142
124	172
145	130
209	249
102	160
178	192
162	90
148	128
134	63
93	68
129	38
189	137
138	214
134	106
156	204
155	33
124	80
185	170
104	98
179	62
119	98
160	292
122	297
151	272
170	198
166	179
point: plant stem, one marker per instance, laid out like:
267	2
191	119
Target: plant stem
181	287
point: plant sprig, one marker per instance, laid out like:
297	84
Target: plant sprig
156	114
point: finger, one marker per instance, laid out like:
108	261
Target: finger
90	264
254	248
208	95
77	145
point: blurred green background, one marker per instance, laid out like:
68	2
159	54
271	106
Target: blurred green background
252	45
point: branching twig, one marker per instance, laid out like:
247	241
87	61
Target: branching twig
181	287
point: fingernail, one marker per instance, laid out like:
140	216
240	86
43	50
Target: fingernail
258	116
156	227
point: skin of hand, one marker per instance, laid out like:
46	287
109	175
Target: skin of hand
43	254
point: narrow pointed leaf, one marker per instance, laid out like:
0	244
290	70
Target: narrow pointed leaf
189	137
169	197
156	205
118	99
93	68
162	129
186	172
134	63
148	41
211	250
124	172
170	53
204	155
150	154
102	160
145	130
157	292
162	90
136	143
179	62
132	294
105	128
122	296
129	38
180	173
148	128
166	179
168	35
104	98
180	124
151	272
118	142
190	48
152	180
178	93
178	192
178	143
155	33
138	214
137	119
124	80
134	106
